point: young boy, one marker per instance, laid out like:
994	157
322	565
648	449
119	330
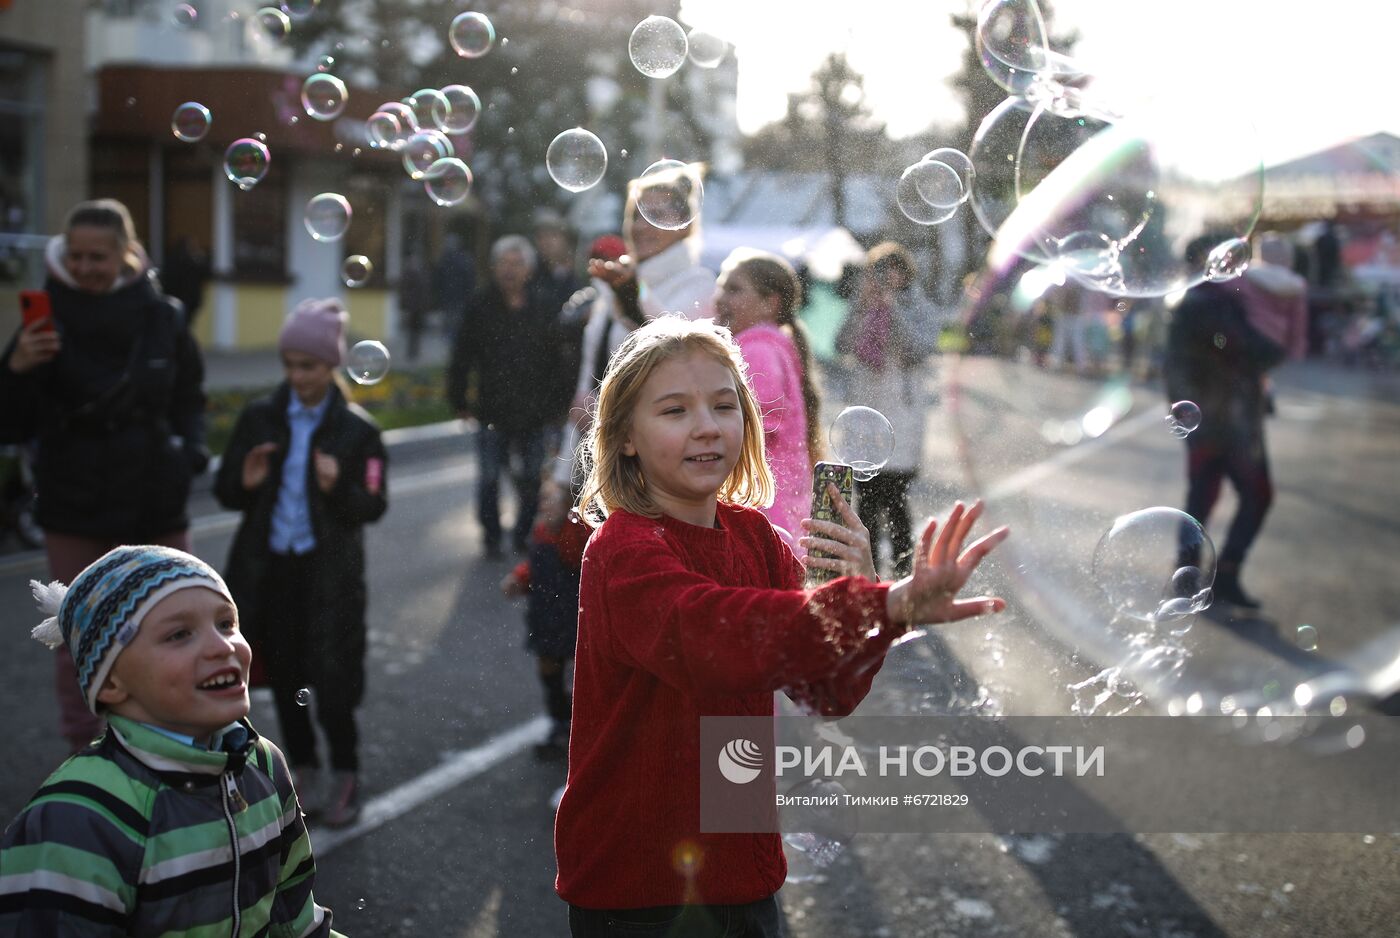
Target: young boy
180	820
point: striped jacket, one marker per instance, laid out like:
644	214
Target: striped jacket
133	836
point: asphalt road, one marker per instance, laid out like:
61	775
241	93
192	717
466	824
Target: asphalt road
459	838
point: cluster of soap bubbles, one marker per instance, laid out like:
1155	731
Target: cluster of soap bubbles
1155	565
420	128
1110	191
930	191
658	47
862	438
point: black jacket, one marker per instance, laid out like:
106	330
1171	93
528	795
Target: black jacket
118	414
360	496
506	363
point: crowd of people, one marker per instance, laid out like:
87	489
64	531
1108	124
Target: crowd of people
660	417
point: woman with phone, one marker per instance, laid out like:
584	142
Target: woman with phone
107	379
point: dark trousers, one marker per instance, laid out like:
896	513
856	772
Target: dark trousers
289	647
521	453
1245	463
883	507
759	919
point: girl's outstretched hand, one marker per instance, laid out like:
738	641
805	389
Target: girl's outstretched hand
847	545
941	567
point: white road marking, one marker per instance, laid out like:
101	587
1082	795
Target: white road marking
416	791
1067	457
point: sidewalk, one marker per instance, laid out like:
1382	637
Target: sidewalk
262	368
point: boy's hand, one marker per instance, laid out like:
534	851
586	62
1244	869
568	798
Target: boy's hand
613	273
255	465
941	567
37	344
847	544
510	586
327	471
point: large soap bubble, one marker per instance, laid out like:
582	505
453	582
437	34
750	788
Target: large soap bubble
657	47
935	177
431	108
1155	564
463	108
323	96
705	49
862	438
423	149
327	216
368	362
669	194
190	122
447	181
576	159
246	162
471	35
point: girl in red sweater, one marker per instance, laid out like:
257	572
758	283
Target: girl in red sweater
690	606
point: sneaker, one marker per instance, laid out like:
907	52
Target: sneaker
311	791
344	807
1227	589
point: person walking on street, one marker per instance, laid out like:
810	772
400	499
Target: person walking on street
307	470
110	385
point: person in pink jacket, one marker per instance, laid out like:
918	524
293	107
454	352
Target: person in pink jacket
757	299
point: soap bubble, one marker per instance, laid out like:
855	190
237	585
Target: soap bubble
185	15
382	129
914	206
669	194
368	362
327	216
471	35
1307	638
430	107
576	159
657	46
1184	417
958	161
463	108
356	270
447	181
246	161
270	24
323	96
705	49
1227	260
862	438
818	826
360	905
1150	558
423	149
299	9
325	63
938	183
190	122
303	696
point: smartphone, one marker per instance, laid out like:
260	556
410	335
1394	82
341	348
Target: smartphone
34	306
823	509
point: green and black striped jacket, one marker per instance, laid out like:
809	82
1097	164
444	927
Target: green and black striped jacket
135	836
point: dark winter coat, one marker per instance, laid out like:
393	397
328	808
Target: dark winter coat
118	414
360	496
506	363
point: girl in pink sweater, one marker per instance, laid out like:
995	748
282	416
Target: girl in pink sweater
689	606
758	298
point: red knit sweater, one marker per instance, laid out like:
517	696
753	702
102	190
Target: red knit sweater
677	622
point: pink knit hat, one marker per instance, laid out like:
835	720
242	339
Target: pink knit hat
316	328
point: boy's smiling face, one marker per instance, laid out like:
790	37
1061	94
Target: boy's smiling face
187	668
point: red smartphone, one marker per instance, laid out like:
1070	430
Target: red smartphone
34	306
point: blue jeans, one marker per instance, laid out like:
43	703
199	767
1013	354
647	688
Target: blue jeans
759	919
496	447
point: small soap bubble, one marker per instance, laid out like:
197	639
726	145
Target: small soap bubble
705	48
913	205
1183	418
299	9
382	129
669	194
246	161
260	137
447	181
1227	260
327	216
323	96
368	362
325	63
190	122
576	159
423	149
292	121
463	108
430	108
515	70
657	46
862	438
1146	556
271	25
1368	839
303	697
472	35
356	270
131	102
1307	638
185	15
359	905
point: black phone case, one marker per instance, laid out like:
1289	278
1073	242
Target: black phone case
824	510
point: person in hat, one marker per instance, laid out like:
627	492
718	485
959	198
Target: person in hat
134	834
308	471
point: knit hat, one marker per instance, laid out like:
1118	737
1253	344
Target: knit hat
100	612
607	247
316	328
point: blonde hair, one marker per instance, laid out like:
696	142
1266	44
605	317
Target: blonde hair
614	480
